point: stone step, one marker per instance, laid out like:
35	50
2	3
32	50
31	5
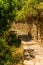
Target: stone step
29	42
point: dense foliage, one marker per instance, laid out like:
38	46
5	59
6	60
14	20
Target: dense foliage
31	9
17	10
5	53
13	39
8	44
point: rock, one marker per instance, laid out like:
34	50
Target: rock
34	54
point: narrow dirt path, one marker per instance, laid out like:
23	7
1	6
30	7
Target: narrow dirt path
33	53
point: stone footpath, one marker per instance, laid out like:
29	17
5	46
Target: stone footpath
33	53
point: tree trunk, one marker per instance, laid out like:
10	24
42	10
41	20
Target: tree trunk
34	31
39	34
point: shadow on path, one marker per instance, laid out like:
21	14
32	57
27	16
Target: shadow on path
25	37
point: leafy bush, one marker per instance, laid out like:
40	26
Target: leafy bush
8	42
5	53
12	39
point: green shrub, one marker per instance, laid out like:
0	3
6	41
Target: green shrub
12	39
5	53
